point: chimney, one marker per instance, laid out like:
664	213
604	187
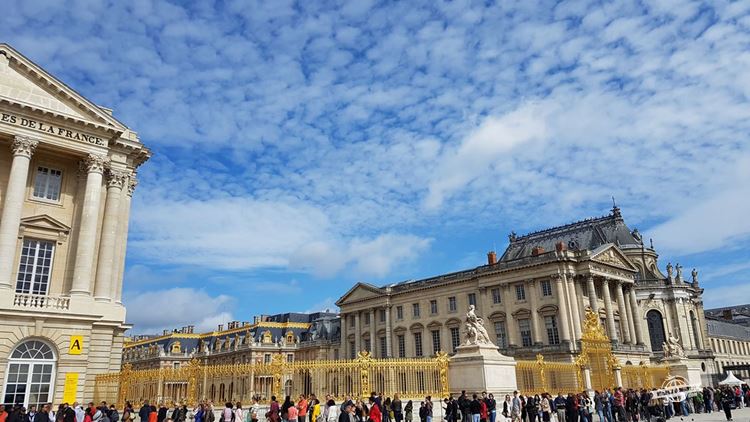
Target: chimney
537	250
559	246
245	323
165	332
727	314
256	319
491	258
190	329
221	327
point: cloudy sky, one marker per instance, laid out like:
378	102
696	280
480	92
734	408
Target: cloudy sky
301	146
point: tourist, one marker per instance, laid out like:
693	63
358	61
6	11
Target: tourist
302	407
386	410
492	405
727	398
516	409
408	411
375	415
313	408
532	408
546	408
398	412
332	411
428	405
144	411
273	411
198	413
114	416
483	412
475	409
292	413
560	404
571	406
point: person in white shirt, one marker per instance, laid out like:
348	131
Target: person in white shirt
80	413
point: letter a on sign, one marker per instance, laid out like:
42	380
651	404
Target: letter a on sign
76	345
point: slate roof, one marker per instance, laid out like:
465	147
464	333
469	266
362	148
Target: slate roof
587	234
718	328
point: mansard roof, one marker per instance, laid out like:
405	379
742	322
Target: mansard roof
587	234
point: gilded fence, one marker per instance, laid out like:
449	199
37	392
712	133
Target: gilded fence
539	376
242	382
644	376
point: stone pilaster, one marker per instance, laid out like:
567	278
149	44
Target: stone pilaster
562	308
532	294
623	313
84	257
22	147
388	333
357	334
636	317
122	236
611	328
593	303
573	303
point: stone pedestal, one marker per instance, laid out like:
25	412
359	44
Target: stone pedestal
682	367
481	367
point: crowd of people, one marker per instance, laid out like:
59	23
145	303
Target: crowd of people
618	405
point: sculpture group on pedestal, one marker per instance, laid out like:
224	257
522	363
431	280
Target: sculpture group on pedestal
475	331
672	347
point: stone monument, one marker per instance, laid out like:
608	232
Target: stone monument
674	356
478	365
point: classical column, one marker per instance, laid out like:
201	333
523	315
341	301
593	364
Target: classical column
106	284
10	221
592	293
562	309
636	316
573	303
343	342
623	312
532	295
511	326
374	340
388	333
84	258
612	330
357	334
631	321
122	237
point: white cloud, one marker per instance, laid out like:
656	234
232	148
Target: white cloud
157	310
483	148
726	295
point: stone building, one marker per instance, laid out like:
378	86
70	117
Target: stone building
67	173
298	336
533	300
729	337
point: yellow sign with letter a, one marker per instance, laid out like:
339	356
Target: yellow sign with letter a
76	345
71	388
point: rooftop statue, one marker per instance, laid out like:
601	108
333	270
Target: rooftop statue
694	274
669	270
475	331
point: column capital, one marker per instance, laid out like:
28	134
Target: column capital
95	163
23	146
132	183
116	178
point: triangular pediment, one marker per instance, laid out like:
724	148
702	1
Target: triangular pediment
612	255
24	83
44	222
360	291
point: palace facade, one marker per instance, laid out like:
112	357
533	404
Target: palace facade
296	336
533	298
67	174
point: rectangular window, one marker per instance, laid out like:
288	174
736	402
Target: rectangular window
546	288
435	341
496	295
290	357
399	312
352	350
383	348
267	358
47	184
415	309
401	340
176	365
382	315
455	338
335	354
524	328
35	267
367	318
502	336
367	345
452	304
418	345
520	292
472	299
550	322
433	307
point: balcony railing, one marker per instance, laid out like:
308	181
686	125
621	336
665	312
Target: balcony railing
29	301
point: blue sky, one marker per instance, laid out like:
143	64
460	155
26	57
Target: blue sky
300	147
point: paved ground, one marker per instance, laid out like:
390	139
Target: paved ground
738	415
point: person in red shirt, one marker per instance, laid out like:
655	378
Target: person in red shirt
483	411
375	414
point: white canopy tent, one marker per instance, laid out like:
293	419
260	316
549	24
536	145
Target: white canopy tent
731	380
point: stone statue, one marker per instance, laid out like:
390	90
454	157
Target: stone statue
694	274
475	331
669	270
672	347
678	267
512	237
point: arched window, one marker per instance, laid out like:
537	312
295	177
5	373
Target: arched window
655	329
30	376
